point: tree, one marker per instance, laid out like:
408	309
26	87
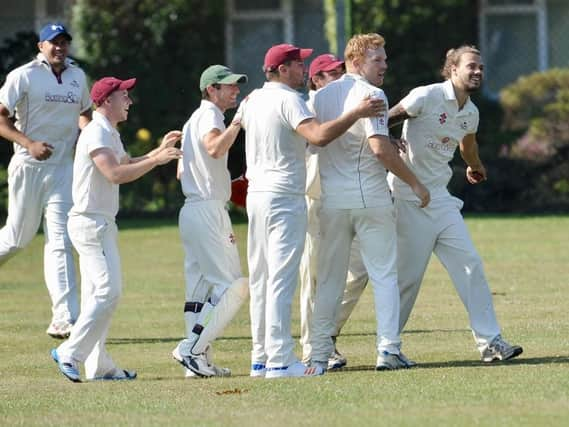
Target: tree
165	44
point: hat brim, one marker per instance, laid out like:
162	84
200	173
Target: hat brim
233	78
127	84
305	53
333	65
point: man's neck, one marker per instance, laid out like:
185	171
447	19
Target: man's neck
461	95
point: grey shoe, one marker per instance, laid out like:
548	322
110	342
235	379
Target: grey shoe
410	363
499	349
389	361
199	365
336	361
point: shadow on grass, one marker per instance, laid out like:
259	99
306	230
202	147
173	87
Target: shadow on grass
547	360
151	340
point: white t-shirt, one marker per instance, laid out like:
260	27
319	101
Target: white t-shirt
275	152
46	109
350	174
93	194
312	173
433	132
202	176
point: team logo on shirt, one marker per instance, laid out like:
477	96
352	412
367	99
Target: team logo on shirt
442	118
70	98
445	140
74	83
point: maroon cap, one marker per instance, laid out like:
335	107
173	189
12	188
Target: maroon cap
281	53
326	62
104	87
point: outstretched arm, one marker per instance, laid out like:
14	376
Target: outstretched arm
397	115
322	134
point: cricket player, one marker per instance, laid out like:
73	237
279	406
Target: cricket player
439	118
323	70
356	202
278	123
49	100
101	164
215	288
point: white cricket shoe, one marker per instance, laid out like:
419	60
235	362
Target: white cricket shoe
499	349
337	360
410	363
296	370
59	329
258	370
199	365
389	362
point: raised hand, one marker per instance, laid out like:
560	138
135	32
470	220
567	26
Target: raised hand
170	139
370	107
167	154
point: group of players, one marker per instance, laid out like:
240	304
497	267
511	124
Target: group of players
320	200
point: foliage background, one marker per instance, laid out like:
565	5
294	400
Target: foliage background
167	43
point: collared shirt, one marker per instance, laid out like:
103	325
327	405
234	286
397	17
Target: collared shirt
433	132
275	152
93	193
202	176
46	109
351	175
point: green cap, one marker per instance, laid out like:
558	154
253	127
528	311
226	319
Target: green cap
220	74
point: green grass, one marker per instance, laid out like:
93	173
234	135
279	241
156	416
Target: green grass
527	263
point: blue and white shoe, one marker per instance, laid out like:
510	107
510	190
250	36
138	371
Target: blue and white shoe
296	370
117	375
69	370
258	370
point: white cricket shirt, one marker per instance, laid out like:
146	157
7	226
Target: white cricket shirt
46	109
93	194
433	132
312	173
275	152
203	177
351	176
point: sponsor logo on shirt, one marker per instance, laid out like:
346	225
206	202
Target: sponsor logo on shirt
74	83
232	238
70	98
443	145
464	125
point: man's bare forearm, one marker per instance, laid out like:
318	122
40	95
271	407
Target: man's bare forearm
397	115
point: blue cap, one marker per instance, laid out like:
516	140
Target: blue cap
51	31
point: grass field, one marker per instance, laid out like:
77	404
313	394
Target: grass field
527	263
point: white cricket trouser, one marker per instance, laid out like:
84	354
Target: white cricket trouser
211	262
277	229
375	228
95	239
355	284
440	228
45	189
